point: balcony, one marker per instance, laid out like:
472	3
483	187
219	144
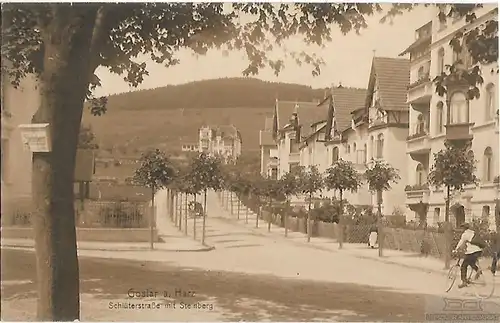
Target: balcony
417	194
418	142
420	91
273	162
458	131
294	158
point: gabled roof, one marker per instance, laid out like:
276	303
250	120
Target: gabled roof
393	76
307	112
347	100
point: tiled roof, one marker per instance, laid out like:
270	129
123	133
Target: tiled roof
308	113
393	76
347	100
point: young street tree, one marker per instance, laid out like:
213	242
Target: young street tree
311	182
379	177
206	173
454	167
289	185
64	44
270	190
341	177
156	172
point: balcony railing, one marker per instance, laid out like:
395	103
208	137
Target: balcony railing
458	131
422	80
416	194
420	91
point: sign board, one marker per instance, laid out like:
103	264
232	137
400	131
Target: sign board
84	167
36	137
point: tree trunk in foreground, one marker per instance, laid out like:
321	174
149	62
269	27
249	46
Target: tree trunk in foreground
64	81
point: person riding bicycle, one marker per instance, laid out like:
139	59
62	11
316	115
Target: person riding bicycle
472	253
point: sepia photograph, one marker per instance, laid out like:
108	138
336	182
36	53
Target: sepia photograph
250	162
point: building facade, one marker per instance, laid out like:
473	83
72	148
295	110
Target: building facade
358	125
18	107
224	141
435	119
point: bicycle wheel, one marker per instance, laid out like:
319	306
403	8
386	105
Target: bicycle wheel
452	277
484	286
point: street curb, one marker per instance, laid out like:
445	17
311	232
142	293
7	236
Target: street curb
205	249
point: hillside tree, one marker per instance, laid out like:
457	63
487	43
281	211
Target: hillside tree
64	44
155	172
341	177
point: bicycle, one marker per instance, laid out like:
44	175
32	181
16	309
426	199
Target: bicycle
484	285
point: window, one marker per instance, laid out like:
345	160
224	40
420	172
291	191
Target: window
420	175
335	154
458	108
380	146
439	117
437	214
456	57
294	146
348	149
488	165
486	212
420	125
440	61
274	173
489	110
365	154
372	147
354	151
421	73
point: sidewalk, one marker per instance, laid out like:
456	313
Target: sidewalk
171	240
395	257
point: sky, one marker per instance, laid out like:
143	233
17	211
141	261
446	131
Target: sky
347	57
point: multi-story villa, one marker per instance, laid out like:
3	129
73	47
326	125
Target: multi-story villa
189	146
344	141
434	119
268	150
293	122
18	107
357	125
224	141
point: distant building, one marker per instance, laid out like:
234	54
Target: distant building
186	147
224	141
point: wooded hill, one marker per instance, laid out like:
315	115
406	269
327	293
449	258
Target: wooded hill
167	116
